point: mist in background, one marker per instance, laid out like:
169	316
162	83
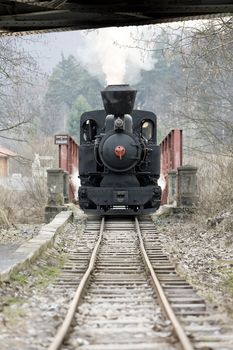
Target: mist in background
109	54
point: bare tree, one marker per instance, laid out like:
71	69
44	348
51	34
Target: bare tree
18	71
205	91
199	90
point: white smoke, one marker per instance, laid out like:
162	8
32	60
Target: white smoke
110	54
75	182
162	182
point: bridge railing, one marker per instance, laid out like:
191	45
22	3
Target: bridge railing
171	150
180	181
68	160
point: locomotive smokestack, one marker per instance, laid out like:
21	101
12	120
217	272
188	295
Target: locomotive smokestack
118	99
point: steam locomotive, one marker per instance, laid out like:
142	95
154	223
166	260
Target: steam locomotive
119	159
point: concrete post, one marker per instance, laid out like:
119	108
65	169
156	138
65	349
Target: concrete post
187	186
55	183
66	186
57	193
172	187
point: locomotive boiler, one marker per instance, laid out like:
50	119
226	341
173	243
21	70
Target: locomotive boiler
119	159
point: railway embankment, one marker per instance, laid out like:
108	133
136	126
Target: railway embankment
202	250
21	247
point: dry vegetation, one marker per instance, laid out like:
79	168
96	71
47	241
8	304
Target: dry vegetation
201	250
24	207
214	183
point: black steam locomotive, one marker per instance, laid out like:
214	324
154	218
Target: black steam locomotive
119	160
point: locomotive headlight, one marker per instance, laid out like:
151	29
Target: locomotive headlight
119	123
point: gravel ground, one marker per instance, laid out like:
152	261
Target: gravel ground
202	251
19	233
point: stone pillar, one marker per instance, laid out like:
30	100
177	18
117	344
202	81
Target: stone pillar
187	186
172	187
57	191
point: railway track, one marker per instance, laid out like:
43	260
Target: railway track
130	296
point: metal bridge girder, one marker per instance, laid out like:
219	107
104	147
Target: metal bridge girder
23	16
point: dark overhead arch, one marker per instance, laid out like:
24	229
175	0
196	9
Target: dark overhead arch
39	15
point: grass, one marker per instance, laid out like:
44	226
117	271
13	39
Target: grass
12	309
11	300
41	275
229	282
20	278
209	297
47	274
11	306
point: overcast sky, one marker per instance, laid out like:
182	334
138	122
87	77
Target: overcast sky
47	48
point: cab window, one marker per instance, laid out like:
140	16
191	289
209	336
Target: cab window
89	130
147	127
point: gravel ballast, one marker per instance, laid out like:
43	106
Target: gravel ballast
202	251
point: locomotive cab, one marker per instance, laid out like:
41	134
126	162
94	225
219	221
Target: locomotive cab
119	158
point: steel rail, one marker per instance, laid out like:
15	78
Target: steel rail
63	330
179	331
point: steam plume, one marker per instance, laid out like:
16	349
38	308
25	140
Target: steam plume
110	55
